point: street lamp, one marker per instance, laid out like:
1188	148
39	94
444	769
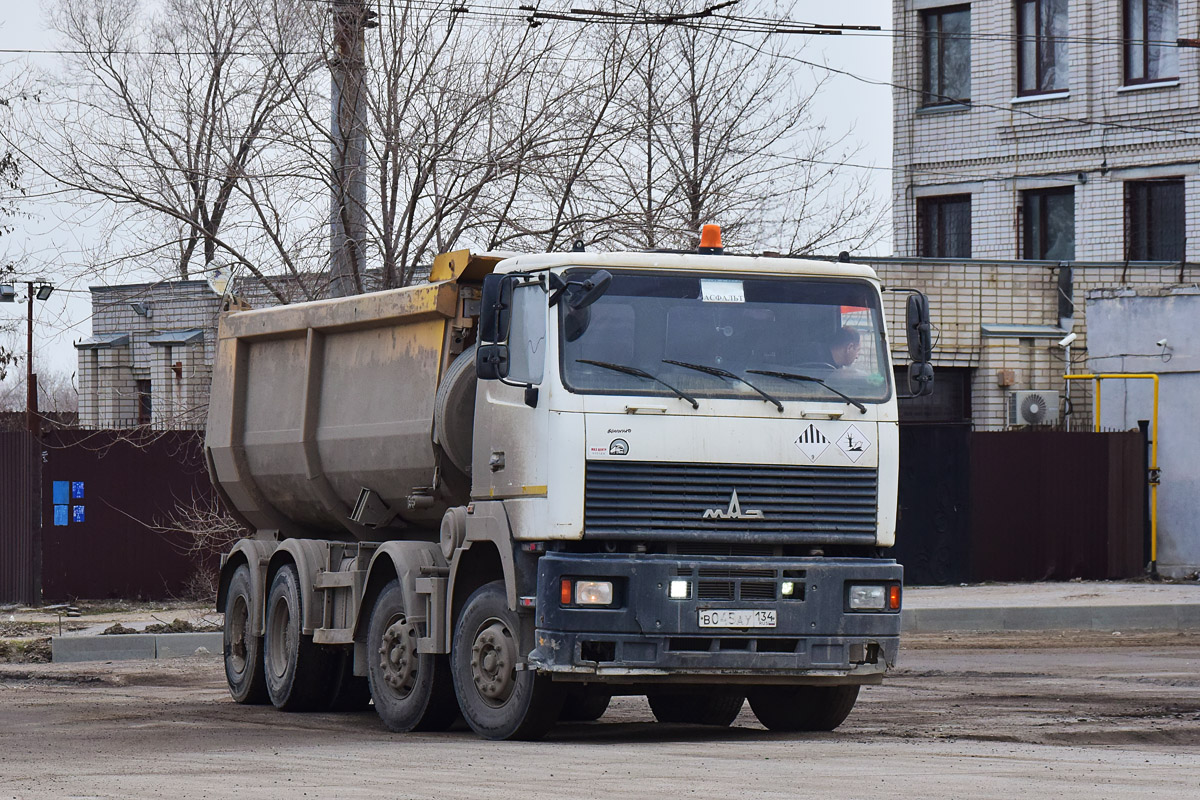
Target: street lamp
32	420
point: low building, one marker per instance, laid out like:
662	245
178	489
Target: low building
149	359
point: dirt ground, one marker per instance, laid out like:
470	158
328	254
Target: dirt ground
1054	715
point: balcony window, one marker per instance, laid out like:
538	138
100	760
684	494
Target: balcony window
1151	28
1042	64
944	226
1155	226
946	56
1049	228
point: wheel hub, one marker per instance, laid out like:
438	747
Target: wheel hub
398	657
493	662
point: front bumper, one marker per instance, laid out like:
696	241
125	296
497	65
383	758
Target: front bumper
646	636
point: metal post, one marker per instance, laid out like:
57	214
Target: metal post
32	419
348	128
1067	389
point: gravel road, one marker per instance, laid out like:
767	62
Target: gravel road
1062	716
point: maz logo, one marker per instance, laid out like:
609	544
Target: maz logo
734	511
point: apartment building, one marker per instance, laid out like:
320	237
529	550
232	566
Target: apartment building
1043	149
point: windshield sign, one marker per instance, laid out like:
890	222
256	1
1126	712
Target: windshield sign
689	336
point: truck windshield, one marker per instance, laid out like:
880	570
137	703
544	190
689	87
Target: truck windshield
765	329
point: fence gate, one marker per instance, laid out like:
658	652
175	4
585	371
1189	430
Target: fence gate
1052	505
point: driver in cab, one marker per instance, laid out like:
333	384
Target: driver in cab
843	350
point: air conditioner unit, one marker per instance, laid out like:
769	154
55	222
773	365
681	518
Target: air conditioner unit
1032	408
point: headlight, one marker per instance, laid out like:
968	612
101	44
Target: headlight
679	590
593	593
867	598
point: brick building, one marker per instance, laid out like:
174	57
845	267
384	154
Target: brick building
149	359
1060	133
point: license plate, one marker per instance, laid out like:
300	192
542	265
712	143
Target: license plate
736	618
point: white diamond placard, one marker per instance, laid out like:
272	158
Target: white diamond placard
853	443
812	442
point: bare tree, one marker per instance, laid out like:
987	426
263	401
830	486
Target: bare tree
726	133
11	191
162	113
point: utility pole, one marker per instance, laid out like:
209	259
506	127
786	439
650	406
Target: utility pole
349	123
32	420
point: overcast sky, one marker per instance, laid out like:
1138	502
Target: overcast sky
46	239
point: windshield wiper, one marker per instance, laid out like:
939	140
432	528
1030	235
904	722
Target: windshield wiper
724	373
791	376
640	373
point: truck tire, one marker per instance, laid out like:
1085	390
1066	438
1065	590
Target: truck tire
697	708
802	708
584	705
243	651
497	700
298	672
412	692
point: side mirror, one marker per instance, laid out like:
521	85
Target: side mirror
583	294
920	378
491	362
495	323
918	328
495	309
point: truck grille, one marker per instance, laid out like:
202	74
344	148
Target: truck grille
803	505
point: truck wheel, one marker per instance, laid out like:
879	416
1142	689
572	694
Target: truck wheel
243	651
298	672
802	708
697	708
412	691
497	700
584	705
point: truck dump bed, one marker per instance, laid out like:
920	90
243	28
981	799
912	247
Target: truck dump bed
313	402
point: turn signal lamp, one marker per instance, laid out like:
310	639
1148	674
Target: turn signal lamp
894	597
710	240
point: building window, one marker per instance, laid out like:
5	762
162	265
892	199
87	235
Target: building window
944	226
143	402
1151	28
1041	46
946	55
1050	224
1155	229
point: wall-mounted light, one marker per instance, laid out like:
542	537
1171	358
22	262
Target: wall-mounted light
44	291
142	309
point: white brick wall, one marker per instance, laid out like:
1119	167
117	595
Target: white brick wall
108	377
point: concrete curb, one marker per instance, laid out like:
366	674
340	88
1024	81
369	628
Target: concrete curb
126	647
1161	617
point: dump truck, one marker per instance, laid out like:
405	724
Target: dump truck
539	481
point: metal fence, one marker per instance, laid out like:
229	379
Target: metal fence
19	546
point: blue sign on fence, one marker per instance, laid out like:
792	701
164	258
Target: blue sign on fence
62	515
61	493
76	513
76	490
